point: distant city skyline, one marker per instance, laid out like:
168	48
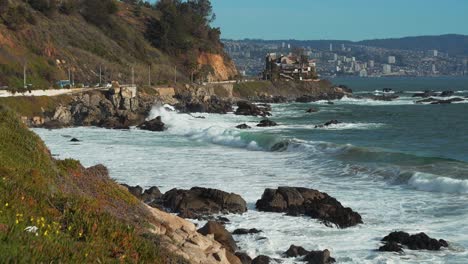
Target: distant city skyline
339	19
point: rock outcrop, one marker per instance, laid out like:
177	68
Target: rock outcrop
147	196
395	240
199	202
295	251
329	123
243	126
155	125
309	202
267	123
244	231
319	257
249	109
220	234
189	103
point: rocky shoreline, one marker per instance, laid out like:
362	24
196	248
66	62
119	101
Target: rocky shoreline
210	205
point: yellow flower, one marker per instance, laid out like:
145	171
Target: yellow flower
17	222
46	233
7	204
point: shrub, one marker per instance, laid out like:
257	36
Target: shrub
98	12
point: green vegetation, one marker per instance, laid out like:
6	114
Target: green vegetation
59	212
33	105
84	37
250	89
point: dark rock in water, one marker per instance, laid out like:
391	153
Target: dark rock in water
153	125
148	196
329	123
276	99
295	251
220	234
387	90
414	242
384	97
243	126
244	231
425	94
313	203
267	123
345	88
391	247
312	110
306	99
74	140
435	101
447	93
198	202
53	124
261	260
280	146
249	109
319	257
330	103
244	258
213	104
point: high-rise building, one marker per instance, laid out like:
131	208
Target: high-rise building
387	69
433	53
391	60
335	57
343	48
331	47
371	64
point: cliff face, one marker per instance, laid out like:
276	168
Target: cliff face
224	69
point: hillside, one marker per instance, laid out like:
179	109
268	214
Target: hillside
57	211
80	39
450	43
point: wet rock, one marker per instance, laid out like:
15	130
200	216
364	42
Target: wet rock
249	109
329	123
244	258
306	99
385	97
53	124
261	260
244	231
295	251
302	201
425	94
220	234
414	242
267	123
312	110
153	125
434	101
330	103
447	93
319	257
192	104
74	140
280	146
147	196
198	202
391	247
243	126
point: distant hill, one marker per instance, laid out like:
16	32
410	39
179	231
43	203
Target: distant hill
452	44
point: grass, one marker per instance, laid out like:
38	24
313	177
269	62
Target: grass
250	89
34	105
74	215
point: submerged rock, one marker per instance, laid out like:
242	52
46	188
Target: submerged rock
244	258
153	125
434	101
329	123
302	201
312	110
319	257
198	202
447	93
244	231
74	140
243	126
425	94
414	242
262	259
267	123
295	251
220	234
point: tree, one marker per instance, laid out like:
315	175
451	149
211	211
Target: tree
48	7
98	12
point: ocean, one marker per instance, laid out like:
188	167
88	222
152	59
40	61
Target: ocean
401	165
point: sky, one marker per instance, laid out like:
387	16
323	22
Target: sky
339	19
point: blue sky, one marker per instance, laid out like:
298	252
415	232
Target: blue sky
339	19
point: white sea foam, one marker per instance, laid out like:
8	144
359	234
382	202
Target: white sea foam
368	101
434	183
351	126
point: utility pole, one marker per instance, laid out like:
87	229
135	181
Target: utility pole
175	74
25	77
149	75
100	75
69	75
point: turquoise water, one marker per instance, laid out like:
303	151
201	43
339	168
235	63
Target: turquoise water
401	165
